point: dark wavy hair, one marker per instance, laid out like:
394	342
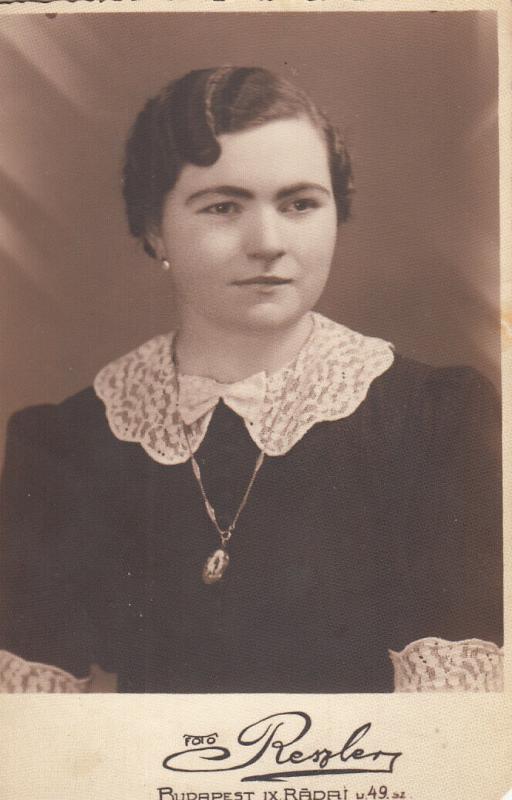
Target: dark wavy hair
181	125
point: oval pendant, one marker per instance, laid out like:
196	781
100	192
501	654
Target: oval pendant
215	566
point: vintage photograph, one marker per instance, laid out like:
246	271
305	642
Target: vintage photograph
250	354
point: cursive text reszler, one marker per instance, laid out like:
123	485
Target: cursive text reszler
275	736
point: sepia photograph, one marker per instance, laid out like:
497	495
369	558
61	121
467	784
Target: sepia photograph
251	420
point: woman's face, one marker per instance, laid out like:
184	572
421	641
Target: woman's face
250	239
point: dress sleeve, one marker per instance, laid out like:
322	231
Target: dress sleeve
452	546
45	558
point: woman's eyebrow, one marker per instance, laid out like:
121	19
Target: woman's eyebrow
237	191
301	187
230	191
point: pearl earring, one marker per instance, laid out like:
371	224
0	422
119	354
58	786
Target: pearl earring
165	264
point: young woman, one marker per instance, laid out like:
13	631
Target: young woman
262	500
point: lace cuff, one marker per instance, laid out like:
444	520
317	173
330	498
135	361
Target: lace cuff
437	665
18	675
427	665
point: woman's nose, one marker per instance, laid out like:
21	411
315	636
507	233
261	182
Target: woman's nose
265	237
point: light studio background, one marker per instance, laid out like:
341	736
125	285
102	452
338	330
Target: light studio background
416	95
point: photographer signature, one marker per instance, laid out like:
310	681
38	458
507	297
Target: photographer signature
276	736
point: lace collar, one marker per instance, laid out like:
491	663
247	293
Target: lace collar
328	380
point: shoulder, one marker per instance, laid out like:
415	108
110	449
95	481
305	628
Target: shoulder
410	385
413	405
62	427
389	380
83	415
82	408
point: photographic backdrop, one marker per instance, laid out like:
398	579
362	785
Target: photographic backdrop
415	94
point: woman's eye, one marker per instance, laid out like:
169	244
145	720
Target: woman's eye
223	209
302	204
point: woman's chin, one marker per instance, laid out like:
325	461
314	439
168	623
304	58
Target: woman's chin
268	316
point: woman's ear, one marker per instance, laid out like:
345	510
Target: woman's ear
154	239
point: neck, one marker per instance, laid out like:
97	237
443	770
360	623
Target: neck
231	355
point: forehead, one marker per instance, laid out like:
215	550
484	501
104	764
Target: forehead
266	157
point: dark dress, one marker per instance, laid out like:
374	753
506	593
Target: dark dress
371	532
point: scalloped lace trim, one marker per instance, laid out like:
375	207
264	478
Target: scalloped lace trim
18	675
327	381
426	665
438	665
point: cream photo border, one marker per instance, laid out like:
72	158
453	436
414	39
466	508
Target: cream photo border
111	747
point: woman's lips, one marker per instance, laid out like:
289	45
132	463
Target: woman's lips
263	280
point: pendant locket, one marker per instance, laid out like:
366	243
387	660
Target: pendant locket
215	566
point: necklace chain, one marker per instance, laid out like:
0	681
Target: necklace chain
224	533
218	562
